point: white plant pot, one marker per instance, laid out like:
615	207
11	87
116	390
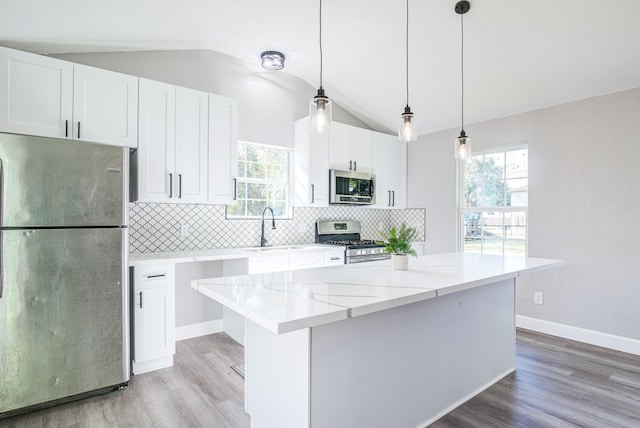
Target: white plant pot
399	261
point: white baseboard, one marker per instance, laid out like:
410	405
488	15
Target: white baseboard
467	398
605	340
196	330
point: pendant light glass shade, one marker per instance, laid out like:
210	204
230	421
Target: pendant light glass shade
320	105
463	146
462	143
406	127
320	112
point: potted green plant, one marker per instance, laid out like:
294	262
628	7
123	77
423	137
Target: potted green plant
398	244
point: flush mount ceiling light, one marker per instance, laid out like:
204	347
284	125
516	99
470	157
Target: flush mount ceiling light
272	60
320	105
406	126
462	143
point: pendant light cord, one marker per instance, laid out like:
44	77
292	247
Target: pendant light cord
462	68
407	52
320	43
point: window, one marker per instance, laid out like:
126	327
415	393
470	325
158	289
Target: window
263	180
494	202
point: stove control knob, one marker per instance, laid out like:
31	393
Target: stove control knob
358	252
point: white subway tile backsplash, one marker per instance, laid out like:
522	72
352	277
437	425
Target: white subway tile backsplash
156	227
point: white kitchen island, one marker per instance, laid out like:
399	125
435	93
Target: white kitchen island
363	345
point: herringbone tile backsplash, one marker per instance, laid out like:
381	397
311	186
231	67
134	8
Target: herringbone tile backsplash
156	227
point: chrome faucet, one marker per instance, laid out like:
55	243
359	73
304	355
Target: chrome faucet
263	241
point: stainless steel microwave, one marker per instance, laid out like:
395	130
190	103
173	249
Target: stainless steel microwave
351	187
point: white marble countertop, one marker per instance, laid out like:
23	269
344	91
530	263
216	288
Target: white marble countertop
286	301
225	253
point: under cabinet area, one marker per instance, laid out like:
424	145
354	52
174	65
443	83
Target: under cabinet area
153	317
49	97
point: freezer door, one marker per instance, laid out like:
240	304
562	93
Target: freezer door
51	182
63	314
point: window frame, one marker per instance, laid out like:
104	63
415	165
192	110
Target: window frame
460	192
288	215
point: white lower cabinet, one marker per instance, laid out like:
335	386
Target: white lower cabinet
333	257
153	317
270	263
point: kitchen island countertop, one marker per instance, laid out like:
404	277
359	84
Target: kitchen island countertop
287	301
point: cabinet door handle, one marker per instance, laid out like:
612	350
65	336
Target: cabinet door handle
350	165
388	198
355	166
140	293
313	193
78	130
393	198
235	189
170	185
335	258
155	275
180	186
66	128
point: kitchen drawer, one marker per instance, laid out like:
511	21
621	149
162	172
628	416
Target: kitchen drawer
332	258
306	260
152	276
273	263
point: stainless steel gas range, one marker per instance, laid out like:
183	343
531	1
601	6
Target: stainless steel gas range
347	234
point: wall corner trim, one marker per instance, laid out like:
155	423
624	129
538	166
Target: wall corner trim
200	329
592	337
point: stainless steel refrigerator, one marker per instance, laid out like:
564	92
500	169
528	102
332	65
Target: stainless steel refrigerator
64	299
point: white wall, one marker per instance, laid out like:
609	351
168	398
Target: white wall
584	206
269	101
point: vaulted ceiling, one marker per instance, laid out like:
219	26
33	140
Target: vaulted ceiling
519	55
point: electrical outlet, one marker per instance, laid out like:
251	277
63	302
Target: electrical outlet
537	297
184	230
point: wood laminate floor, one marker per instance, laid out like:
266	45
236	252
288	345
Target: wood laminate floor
558	383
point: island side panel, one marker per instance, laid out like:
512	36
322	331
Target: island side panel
407	366
277	377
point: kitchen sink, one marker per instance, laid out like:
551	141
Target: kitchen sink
275	248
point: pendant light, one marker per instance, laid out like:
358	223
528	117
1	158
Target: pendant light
320	105
462	143
406	126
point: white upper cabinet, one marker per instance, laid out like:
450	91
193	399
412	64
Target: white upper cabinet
390	167
36	94
105	106
53	98
311	166
172	150
223	149
192	110
156	142
350	148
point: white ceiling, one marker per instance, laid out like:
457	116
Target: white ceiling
519	55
